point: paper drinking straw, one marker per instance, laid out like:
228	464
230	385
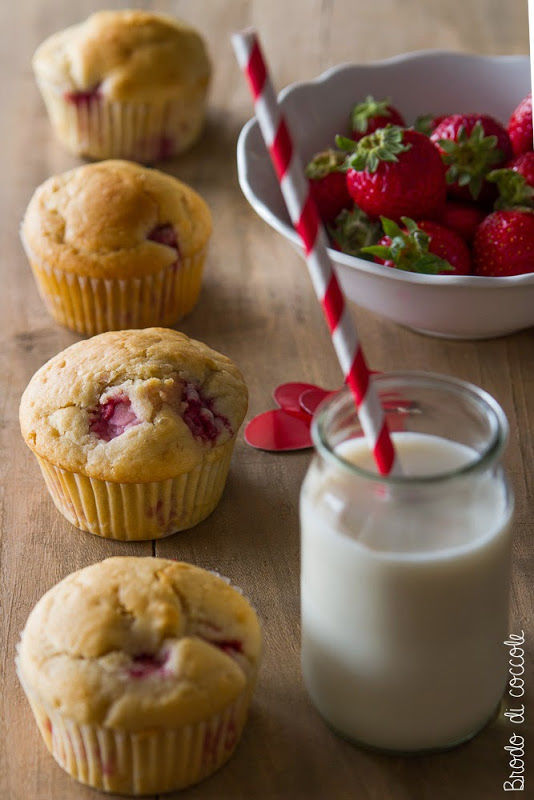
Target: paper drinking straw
296	192
531	32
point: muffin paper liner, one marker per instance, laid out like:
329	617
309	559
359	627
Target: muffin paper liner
137	511
94	305
102	128
141	762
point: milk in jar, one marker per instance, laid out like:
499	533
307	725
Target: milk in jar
404	585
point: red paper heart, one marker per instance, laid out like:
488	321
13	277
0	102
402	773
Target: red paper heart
288	427
312	398
279	430
288	395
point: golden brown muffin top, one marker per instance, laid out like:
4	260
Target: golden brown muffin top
133	406
114	219
136	643
132	56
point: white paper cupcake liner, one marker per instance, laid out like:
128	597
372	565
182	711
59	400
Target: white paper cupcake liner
138	511
102	128
141	762
94	305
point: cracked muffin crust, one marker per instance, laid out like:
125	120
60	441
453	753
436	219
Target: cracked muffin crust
114	219
136	643
125	84
114	245
125	55
140	672
133	406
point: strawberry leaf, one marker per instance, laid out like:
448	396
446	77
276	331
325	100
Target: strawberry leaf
390	227
353	230
346	144
363	112
470	157
383	144
408	249
379	250
324	163
424	124
514	190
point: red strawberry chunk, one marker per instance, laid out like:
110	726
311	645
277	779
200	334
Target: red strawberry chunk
84	97
200	416
112	417
229	646
146	664
165	234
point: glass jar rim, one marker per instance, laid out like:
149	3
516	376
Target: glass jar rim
492	451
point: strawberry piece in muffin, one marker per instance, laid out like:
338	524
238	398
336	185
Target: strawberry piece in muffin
112	417
200	415
164	234
83	97
147	664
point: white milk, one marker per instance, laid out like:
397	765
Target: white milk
405	599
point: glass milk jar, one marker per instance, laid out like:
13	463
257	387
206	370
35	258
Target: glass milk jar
405	580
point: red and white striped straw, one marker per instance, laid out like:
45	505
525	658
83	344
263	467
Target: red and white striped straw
296	192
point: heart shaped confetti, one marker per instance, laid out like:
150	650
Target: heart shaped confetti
311	399
280	431
288	395
288	427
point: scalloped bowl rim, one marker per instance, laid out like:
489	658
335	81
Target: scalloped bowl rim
354	262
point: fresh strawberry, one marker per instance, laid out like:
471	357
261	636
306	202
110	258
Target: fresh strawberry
471	145
520	126
515	183
395	172
504	244
372	114
424	247
462	218
353	230
524	164
426	123
328	184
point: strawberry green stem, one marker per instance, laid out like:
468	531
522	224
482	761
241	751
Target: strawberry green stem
383	144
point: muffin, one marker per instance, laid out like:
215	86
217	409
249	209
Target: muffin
125	84
140	672
114	245
134	431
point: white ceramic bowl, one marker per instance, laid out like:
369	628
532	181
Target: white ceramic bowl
464	307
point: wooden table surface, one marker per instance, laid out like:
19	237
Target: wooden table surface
257	306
